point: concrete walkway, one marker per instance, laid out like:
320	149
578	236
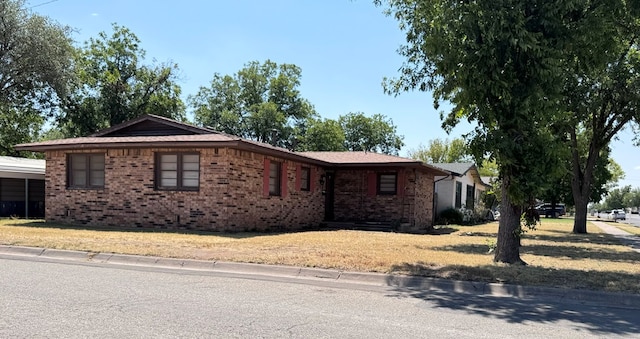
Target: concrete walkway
624	236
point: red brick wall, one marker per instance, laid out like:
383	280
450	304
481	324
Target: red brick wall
355	200
423	211
230	197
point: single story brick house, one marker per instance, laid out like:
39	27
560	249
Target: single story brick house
21	187
159	173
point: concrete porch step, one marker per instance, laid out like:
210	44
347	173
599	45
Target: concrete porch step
358	226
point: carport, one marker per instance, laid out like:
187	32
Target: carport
21	187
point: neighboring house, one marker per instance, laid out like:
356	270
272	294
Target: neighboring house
21	187
156	172
462	188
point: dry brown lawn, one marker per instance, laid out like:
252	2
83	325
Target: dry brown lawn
626	227
556	257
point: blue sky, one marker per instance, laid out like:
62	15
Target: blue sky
344	48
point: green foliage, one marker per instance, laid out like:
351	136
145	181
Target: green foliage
529	220
499	63
114	86
450	216
614	175
621	198
601	91
605	174
632	199
323	135
501	75
18	127
372	134
260	102
488	168
35	59
442	151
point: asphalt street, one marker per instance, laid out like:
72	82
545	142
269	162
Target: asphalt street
632	219
72	299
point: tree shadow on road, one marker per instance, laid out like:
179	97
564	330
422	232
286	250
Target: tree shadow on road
586	319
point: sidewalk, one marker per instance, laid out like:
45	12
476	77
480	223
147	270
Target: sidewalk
625	237
308	275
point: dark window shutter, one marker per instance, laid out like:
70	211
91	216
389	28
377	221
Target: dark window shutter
312	178
298	179
283	181
265	178
371	184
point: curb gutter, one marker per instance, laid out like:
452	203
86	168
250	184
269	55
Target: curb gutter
625	300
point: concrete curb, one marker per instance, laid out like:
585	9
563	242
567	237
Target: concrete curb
412	283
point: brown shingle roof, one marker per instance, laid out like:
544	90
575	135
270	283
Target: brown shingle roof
171	141
369	159
211	138
111	142
358	158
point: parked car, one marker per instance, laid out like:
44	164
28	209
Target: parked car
496	215
617	215
548	210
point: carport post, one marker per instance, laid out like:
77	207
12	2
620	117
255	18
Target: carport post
26	198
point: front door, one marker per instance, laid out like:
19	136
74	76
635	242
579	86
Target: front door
329	197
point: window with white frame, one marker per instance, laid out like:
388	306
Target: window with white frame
85	171
305	178
177	171
387	183
275	170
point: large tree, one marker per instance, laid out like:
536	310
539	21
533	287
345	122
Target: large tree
632	200
618	198
376	133
114	85
601	88
323	135
351	132
605	177
35	59
262	102
498	63
442	151
606	174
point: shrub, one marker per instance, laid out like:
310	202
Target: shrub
450	216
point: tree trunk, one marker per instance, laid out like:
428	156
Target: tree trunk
581	183
580	221
508	245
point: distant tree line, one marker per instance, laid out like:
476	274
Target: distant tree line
620	198
46	80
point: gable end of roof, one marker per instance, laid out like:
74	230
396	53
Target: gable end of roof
151	125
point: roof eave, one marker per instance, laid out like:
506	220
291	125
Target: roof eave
238	144
115	145
417	165
249	146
